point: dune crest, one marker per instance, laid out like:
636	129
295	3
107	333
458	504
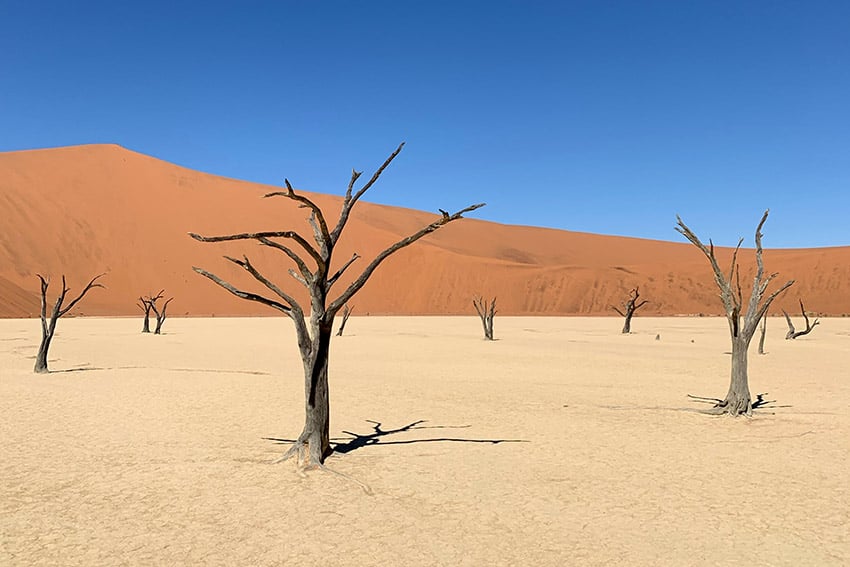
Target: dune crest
84	210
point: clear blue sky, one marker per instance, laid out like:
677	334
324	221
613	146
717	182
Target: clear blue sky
606	117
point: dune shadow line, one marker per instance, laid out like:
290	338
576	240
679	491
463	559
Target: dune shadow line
358	441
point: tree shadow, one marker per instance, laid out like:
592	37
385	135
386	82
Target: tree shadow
91	368
376	437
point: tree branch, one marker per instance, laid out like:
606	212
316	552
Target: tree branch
361	281
243	294
349	201
76	300
291	234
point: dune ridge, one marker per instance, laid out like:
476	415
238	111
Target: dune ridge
85	210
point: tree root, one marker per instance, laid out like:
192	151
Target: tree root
299	450
746	408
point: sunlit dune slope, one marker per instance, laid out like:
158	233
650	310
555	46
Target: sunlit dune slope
85	210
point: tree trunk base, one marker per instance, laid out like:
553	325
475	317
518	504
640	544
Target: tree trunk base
734	406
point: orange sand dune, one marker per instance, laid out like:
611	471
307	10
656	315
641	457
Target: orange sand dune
86	210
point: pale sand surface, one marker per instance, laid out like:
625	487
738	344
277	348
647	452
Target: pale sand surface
153	453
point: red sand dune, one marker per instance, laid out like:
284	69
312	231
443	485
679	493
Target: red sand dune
85	210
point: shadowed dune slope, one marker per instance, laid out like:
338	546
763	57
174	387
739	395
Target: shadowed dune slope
86	210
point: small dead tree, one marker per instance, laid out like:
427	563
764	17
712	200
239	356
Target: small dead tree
742	326
146	304
629	308
346	313
48	328
763	328
486	311
314	271
792	332
160	315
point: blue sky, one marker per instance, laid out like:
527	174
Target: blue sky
605	117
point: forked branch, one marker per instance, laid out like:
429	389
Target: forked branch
355	286
792	332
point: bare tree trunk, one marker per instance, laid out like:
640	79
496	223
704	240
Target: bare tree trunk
146	324
486	312
763	332
160	315
317	410
737	401
346	313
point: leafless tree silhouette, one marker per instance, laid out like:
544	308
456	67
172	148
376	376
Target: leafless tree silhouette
346	313
629	308
48	328
742	326
146	304
313	261
486	311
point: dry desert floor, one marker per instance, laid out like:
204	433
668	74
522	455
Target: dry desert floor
561	443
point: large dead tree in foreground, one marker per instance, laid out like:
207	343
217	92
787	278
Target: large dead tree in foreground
486	311
48	328
313	261
629	308
792	332
742	326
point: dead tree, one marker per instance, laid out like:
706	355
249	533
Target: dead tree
48	328
742	326
486	311
314	261
793	333
346	313
763	328
160	315
145	304
629	308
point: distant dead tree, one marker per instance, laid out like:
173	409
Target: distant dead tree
48	328
146	304
793	333
763	328
629	308
314	263
742	327
486	311
160	315
346	313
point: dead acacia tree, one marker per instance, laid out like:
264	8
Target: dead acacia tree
346	313
160	315
629	308
742	326
792	332
146	305
763	328
486	311
314	263
48	328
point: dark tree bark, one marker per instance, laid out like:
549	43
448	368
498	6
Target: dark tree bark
486	311
793	333
160	315
742	326
629	308
48	328
145	304
763	328
346	313
313	261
